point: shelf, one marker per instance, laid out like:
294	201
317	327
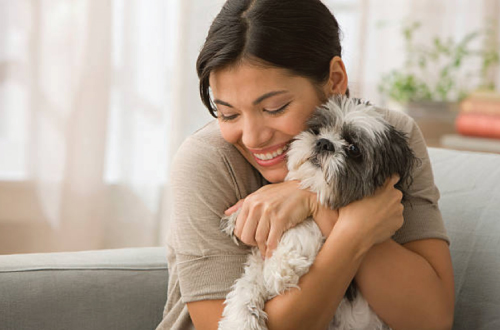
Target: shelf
460	142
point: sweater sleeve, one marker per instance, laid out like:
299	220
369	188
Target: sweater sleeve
204	184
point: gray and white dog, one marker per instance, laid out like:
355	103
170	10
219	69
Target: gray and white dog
348	151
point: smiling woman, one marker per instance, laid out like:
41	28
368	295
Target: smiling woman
264	68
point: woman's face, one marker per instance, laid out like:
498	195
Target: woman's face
260	110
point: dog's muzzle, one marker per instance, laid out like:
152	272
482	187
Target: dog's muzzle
324	145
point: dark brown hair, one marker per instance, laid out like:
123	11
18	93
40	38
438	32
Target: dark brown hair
301	36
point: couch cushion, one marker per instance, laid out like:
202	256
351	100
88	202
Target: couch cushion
470	202
107	289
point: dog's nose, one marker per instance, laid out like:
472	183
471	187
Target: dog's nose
324	145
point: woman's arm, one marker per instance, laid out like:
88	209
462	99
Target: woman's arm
206	314
410	286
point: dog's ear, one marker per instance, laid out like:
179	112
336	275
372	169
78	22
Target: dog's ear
404	160
397	158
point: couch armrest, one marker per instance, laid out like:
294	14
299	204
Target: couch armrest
106	289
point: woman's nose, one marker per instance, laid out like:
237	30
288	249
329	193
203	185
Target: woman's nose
256	133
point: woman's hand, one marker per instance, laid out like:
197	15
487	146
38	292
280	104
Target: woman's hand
268	212
375	218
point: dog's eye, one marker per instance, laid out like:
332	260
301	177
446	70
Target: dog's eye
353	151
314	130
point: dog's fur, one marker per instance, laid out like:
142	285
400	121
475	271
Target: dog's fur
348	151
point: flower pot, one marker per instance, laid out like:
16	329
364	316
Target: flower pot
435	119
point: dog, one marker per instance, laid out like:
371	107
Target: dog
346	153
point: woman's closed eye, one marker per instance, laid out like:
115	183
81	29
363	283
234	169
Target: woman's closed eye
269	111
227	118
277	111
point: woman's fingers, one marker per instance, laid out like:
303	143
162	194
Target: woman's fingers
272	242
273	208
393	180
234	208
262	234
250	226
398	195
379	216
240	221
259	227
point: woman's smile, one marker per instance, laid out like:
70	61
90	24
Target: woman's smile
270	156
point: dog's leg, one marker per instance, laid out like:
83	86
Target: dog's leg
293	257
244	305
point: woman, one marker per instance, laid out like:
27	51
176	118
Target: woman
265	66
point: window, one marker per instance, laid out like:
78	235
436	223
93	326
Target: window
15	77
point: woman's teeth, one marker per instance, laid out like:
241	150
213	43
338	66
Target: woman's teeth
269	156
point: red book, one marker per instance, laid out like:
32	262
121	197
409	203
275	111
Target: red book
477	124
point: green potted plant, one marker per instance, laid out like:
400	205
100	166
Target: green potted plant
434	76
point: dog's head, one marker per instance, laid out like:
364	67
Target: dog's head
348	151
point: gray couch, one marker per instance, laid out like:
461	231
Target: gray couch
127	288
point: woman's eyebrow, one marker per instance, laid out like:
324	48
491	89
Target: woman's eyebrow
267	95
257	101
217	101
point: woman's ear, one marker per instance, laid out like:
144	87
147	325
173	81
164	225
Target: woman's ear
337	80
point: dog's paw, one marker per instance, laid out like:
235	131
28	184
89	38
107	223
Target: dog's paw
227	225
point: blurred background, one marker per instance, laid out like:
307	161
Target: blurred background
97	95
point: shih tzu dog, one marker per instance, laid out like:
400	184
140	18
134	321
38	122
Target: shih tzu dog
348	151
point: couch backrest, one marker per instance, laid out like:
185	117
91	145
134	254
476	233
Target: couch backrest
123	289
470	203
